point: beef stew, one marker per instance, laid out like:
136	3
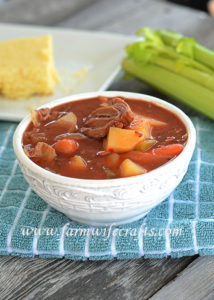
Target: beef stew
103	138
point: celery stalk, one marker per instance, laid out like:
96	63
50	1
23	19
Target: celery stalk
174	85
184	51
201	78
169	37
201	54
176	65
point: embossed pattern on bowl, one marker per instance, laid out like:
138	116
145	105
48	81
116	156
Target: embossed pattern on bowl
103	202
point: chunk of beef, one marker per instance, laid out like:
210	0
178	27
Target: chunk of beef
112	113
42	151
37	116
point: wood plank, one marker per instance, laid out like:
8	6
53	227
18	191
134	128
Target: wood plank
196	282
133	279
125	16
40	12
28	278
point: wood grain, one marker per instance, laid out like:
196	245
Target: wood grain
26	278
37	278
41	12
195	282
125	16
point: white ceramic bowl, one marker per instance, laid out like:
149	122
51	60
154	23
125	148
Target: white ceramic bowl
103	202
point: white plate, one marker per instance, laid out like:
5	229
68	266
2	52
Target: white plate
99	53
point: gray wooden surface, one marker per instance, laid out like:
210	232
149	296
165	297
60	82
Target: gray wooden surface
184	278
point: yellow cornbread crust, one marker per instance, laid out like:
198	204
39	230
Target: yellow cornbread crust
27	67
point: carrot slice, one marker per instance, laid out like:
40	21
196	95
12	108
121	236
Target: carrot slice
112	160
171	150
66	147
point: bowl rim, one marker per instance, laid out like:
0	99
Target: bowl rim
100	183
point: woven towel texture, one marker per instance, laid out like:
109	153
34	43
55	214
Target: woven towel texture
29	227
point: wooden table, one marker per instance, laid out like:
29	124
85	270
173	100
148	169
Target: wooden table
184	278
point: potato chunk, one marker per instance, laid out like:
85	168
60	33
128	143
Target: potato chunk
129	168
143	126
122	140
77	163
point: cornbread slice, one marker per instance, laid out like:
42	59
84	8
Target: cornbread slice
27	67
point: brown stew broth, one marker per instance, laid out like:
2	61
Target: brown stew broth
173	132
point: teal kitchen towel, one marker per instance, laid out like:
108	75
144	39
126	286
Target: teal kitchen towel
181	225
